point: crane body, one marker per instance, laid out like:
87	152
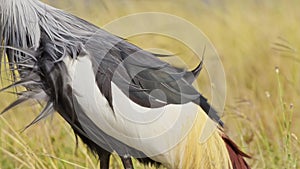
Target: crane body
104	87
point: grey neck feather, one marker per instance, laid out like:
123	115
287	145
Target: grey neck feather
24	22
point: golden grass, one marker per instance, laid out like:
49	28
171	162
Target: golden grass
262	105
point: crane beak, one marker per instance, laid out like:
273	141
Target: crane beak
1	51
1	37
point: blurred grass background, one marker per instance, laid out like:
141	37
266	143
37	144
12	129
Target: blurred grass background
258	42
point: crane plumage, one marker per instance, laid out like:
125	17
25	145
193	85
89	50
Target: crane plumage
110	91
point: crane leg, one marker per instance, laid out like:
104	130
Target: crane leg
104	159
127	162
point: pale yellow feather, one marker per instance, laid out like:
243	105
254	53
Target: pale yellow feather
196	153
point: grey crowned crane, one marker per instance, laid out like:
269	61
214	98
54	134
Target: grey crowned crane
109	90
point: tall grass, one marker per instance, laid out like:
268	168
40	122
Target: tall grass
258	42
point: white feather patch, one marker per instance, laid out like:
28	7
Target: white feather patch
154	131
